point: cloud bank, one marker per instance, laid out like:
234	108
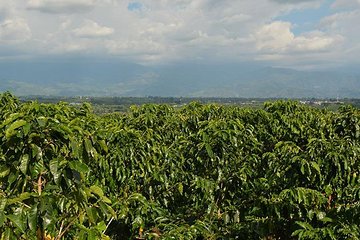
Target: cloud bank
159	32
61	6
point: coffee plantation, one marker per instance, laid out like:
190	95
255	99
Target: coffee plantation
202	171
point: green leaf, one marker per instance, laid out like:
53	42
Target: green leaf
302	169
326	219
54	165
20	198
38	168
12	117
88	147
304	225
297	232
92	235
209	150
10	131
36	151
97	190
18	220
300	195
330	232
106	200
7	235
26	129
79	166
42	121
32	218
62	204
3	202
92	214
103	145
104	208
24	162
4	171
101	226
137	197
328	190
2	218
12	177
66	129
180	188
316	166
75	148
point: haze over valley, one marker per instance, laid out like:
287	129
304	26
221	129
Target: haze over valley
110	78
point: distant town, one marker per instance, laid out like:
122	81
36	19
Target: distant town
122	104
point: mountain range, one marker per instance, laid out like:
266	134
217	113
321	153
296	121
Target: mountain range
88	77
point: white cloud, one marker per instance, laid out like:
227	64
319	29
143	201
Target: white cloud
85	38
177	30
3	13
315	41
91	29
346	4
345	23
14	31
277	37
342	21
61	6
235	19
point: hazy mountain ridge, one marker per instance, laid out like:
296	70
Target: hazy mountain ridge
126	79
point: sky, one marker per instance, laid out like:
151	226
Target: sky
299	34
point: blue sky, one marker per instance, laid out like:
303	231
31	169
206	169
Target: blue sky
304	34
307	19
134	6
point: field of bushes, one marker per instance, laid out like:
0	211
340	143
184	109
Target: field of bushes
202	171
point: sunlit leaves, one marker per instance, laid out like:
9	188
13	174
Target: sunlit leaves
198	172
11	130
43	181
4	171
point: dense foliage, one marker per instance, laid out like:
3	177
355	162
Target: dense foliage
286	171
